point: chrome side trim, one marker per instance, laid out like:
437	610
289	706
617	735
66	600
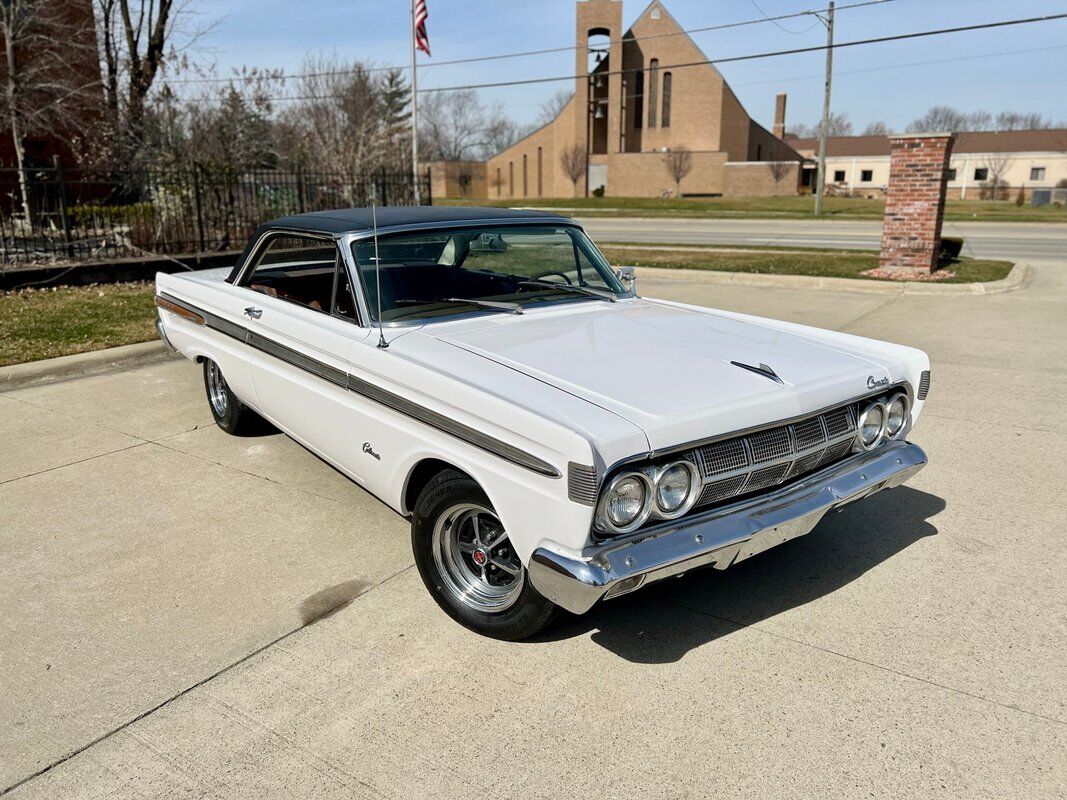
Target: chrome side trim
720	537
366	389
451	427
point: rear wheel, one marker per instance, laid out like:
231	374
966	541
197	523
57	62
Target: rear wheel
468	564
229	412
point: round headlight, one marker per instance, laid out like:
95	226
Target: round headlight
896	415
625	500
871	425
673	487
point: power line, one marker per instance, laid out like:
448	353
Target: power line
747	57
901	66
770	54
778	25
567	48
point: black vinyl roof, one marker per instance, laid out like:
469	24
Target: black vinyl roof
349	220
354	220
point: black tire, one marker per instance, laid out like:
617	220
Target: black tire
229	412
529	611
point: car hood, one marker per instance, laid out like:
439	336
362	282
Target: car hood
669	369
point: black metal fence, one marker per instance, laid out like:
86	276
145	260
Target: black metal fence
82	215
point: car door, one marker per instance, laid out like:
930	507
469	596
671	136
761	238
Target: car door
303	325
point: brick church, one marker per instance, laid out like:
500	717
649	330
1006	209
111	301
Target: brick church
634	103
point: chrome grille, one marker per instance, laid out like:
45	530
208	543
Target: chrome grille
581	483
767	458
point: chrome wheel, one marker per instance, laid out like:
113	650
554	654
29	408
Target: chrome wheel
475	559
216	389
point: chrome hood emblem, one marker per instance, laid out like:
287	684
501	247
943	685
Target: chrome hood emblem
762	369
872	383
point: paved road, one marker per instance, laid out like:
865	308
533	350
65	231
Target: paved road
1013	241
166	595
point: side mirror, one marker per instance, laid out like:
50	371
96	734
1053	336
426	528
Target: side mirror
628	276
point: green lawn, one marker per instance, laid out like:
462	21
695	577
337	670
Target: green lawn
44	323
792	207
819	263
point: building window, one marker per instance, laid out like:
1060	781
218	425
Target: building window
1037	173
639	98
839	176
511	179
952	174
524	188
981	174
653	74
866	175
499	182
540	184
665	117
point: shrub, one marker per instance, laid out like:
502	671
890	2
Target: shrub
598	191
951	247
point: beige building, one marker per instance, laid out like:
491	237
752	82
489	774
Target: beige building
630	108
859	165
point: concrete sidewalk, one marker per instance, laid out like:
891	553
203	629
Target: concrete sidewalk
191	614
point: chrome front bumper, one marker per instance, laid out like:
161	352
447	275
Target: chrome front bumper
720	537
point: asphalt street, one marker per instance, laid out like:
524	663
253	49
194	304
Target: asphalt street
188	614
1015	241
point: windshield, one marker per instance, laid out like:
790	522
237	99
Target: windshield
441	273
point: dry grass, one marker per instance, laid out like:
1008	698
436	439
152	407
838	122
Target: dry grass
45	323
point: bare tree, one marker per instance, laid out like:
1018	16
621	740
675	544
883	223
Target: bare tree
1016	121
451	126
49	85
340	123
134	39
572	159
996	164
837	125
551	108
679	163
464	178
777	167
876	128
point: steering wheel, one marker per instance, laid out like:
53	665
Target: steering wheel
542	275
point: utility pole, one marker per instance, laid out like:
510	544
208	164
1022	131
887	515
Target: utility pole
820	174
414	114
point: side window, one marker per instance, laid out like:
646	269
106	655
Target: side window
299	269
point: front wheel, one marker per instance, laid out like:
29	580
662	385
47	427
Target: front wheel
468	564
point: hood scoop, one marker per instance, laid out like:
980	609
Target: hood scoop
762	369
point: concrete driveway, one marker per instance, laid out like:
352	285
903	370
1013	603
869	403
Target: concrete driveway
187	614
1014	241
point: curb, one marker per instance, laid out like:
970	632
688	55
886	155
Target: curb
1018	277
81	365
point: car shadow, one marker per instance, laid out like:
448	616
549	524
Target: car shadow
329	601
662	623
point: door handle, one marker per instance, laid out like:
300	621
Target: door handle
253	312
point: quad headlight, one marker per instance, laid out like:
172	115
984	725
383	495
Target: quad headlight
896	416
871	425
676	486
627	501
662	492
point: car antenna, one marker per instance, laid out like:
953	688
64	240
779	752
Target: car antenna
382	344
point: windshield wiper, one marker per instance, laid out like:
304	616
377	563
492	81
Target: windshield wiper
602	294
491	305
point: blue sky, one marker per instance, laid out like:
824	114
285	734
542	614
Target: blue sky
271	33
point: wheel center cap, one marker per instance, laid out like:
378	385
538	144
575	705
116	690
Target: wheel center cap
480	557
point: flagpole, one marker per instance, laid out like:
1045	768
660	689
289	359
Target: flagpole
414	114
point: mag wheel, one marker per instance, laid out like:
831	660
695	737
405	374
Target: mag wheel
468	563
229	412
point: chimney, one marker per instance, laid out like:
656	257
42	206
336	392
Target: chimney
779	116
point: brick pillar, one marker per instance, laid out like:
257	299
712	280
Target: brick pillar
915	201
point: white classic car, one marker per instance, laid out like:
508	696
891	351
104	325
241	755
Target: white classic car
554	439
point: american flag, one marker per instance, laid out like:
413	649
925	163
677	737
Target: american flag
422	39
